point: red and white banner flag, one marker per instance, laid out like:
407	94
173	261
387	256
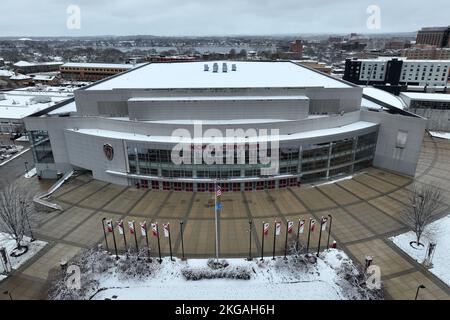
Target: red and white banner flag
324	223
120	226
131	226
155	229
312	225
166	229
277	228
290	226
218	191
266	228
109	225
301	227
143	228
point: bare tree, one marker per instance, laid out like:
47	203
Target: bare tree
424	201
15	212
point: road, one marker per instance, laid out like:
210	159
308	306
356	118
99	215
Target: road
12	170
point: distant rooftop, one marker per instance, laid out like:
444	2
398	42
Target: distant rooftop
30	64
426	96
192	75
383	96
18	104
99	65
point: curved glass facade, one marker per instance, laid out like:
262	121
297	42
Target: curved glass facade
153	168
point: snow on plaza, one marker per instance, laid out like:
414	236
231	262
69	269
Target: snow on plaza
269	280
437	232
9	244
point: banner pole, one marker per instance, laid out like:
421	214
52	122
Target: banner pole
309	235
159	244
114	240
135	238
104	233
262	243
320	236
274	239
329	231
170	243
285	241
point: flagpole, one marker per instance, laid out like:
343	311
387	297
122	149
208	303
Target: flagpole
135	238
217	227
320	236
114	239
159	244
146	240
182	242
274	239
285	241
104	233
309	235
250	241
124	239
170	243
329	231
262	242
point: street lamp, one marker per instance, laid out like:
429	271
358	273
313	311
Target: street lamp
26	167
8	293
418	288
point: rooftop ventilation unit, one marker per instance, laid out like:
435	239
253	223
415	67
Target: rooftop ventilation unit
233	67
41	99
224	67
206	67
215	67
2	96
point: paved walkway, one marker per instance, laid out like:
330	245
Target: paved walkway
366	212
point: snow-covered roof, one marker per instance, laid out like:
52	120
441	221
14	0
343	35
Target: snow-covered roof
385	97
19	104
98	65
249	74
42	77
169	139
67	108
20	77
31	64
426	96
6	73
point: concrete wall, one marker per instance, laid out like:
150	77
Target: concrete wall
388	155
331	100
86	151
219	109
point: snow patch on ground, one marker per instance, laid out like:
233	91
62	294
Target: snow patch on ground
270	280
334	181
440	134
9	243
438	232
30	174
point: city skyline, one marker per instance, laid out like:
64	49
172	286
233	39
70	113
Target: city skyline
210	18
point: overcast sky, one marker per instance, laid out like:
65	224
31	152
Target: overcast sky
216	17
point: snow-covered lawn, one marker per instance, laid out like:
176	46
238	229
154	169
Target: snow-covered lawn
440	134
438	232
272	279
7	242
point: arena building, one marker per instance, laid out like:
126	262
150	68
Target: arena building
125	128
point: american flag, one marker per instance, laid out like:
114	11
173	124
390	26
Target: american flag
218	191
